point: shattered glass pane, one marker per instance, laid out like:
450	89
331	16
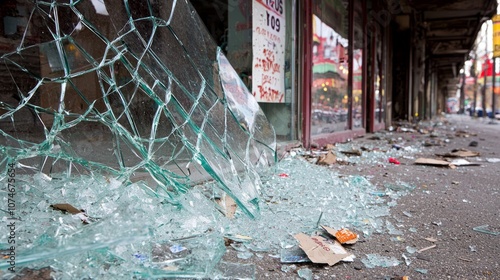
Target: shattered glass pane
305	273
130	90
227	270
120	108
135	90
375	260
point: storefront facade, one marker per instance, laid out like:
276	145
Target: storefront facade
259	38
330	81
327	71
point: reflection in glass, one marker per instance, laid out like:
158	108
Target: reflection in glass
357	67
329	91
378	81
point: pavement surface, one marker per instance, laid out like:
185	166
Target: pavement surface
446	205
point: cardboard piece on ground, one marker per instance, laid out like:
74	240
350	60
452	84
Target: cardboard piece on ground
431	161
327	159
322	250
460	153
344	236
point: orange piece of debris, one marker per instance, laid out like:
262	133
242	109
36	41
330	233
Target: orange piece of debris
345	235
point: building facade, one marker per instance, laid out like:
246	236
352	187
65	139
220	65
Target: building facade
350	66
325	71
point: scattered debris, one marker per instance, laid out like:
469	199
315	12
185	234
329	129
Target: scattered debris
421	270
426	248
352	152
411	250
465	134
430	239
379	193
227	205
293	255
486	229
394	161
463	162
464	259
432	162
329	147
397	147
429	143
375	137
283	175
493	160
327	159
288	268
407	260
65	207
460	153
322	250
229	239
244	255
305	273
227	270
344	236
68	208
473	144
439	223
423	257
407	214
374	260
405	129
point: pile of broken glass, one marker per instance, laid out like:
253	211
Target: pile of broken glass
119	108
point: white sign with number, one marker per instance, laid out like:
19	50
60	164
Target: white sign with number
268	71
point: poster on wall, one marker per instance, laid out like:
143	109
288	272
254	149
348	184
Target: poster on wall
268	71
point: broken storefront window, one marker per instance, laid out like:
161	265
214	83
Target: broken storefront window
118	102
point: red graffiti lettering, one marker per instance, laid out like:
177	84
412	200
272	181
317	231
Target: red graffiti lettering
321	244
268	62
267	93
266	79
260	31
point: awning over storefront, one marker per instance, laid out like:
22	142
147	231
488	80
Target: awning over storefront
450	28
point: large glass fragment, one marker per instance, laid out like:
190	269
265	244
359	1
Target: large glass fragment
119	108
131	89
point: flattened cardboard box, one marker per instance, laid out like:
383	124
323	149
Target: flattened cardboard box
322	250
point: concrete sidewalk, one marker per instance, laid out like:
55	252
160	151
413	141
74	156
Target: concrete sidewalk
445	205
